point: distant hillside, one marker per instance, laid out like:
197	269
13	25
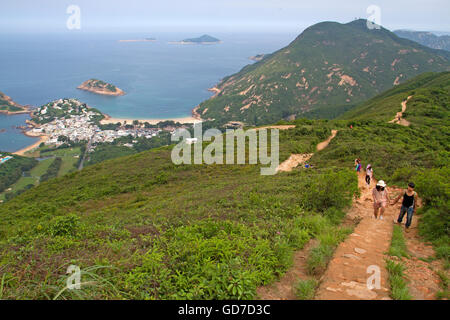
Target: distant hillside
325	71
384	106
7	105
426	38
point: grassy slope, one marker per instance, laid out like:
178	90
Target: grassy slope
167	231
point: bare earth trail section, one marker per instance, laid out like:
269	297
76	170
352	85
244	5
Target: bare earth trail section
398	118
423	281
298	159
365	249
325	143
347	273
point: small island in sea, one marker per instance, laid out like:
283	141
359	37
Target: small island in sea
101	87
204	39
8	106
258	57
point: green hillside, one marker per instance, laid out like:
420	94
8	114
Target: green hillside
141	227
382	106
325	71
8	105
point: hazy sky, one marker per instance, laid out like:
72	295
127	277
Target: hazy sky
216	15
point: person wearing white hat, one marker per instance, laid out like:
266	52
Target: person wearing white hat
380	199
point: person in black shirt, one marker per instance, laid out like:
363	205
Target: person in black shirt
408	205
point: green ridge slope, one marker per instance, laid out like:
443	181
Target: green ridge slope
325	71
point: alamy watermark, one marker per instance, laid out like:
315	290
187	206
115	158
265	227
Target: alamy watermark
374	20
234	144
73	281
374	281
74	20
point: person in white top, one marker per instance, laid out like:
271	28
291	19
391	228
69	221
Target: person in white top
380	196
369	175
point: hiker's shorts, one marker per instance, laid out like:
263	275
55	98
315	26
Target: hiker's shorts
379	204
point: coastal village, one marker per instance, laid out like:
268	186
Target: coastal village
70	120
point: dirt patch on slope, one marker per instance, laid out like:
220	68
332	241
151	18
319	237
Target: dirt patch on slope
293	161
325	143
398	118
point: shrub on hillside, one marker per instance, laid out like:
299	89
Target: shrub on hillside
331	189
64	225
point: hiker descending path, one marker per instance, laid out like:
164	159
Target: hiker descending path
398	118
297	159
363	251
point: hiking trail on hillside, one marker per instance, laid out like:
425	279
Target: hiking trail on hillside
399	117
420	271
347	272
346	275
298	159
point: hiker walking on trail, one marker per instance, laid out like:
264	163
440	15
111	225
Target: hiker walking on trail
358	165
369	175
380	199
408	205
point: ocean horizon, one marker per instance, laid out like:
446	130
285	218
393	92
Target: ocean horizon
161	80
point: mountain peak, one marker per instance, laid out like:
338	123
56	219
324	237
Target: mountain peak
325	71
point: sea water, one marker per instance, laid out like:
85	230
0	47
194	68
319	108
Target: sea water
161	80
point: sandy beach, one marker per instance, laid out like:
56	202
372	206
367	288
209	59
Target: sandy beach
151	121
21	152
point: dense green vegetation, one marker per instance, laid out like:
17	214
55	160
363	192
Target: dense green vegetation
399	287
306	289
325	71
167	238
397	281
398	244
12	170
99	84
